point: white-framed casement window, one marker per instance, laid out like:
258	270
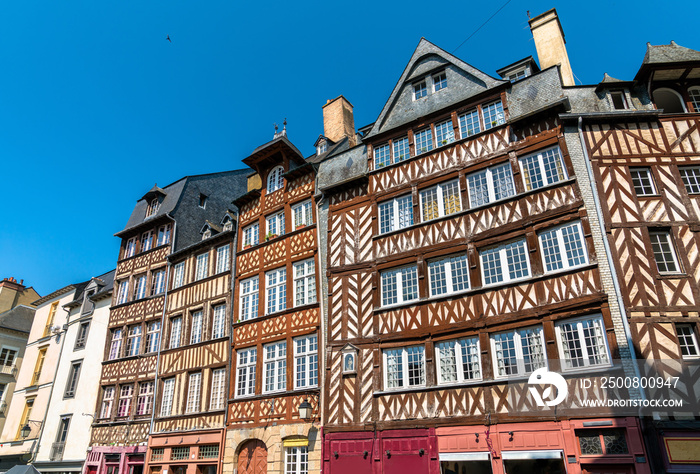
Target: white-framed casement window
490	185
152	208
164	234
303	214
664	253
458	361
275	224
404	367
306	361
7	357
147	241
694	94
395	214
152	336
296	460
275	367
493	114
469	123
688	341
440	200
382	156
178	275
166	403
201	266
194	392
126	392
144	401
304	282
245	372
420	90
448	275
218	385
249	298
140	287
122	291
133	340
691	178
73	377
563	247
504	263
582	342
444	133
218	325
107	402
276	290
439	81
518	352
619	102
115	347
251	235
399	285
401	149
223	254
275	179
542	168
196	332
423	140
158	283
130	248
175	332
642	181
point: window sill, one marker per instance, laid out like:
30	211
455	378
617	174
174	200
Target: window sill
671	276
642	196
151	250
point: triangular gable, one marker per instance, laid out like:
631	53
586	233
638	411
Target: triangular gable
464	81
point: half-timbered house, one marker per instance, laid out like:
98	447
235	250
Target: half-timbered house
461	258
164	221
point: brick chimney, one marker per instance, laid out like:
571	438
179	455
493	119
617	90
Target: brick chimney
551	45
338	120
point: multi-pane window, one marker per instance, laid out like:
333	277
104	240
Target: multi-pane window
72	383
130	248
275	364
133	340
115	347
401	149
469	123
691	178
493	114
491	184
296	460
563	247
505	262
107	401
201	266
275	224
303	214
126	392
582	342
458	361
306	362
399	285
144	402
222	258
439	81
7	357
604	441
665	256
440	200
196	332
175	332
542	168
218	326
194	390
694	94
166	403
404	367
218	381
687	339
164	234
518	352
122	291
304	282
81	338
382	156
147	241
157	454
152	336
642	181
158	284
419	90
423	140
180	453
251	235
448	275
140	287
245	374
444	133
152	208
395	214
249	298
276	285
179	275
275	180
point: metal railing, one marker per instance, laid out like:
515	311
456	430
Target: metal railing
57	451
35	378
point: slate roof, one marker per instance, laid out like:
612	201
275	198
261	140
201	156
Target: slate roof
172	197
669	53
19	318
105	284
23	469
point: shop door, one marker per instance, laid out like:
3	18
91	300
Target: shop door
405	455
351	456
605	469
253	458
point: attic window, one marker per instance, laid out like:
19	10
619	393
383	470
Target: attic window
202	201
517	75
206	234
228	224
439	81
152	207
275	180
322	147
88	305
419	90
618	100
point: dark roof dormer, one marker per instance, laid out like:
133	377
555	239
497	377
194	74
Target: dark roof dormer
209	229
519	69
153	199
228	222
273	153
669	62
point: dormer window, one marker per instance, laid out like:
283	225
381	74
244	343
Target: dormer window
419	90
322	147
227	223
618	100
439	81
275	180
152	207
517	75
206	234
202	201
88	305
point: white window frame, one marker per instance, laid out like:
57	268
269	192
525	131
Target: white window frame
249	300
223	255
275	367
133	340
304	280
420	90
276	221
201	266
518	346
503	259
251	234
689	173
303	214
449	271
175	340
218	324
694	95
623	97
163	235
464	127
687	337
115	345
276	291
140	287
438	79
126	394
107	402
130	248
581	343
306	361
449	136
153	336
194	393
499	116
461	346
648	175
405	144
395	212
158	283
247	370
166	403
382	155
540	162
439	188
672	250
296	460
123	292
490	185
275	179
147	395
404	370
178	275
429	143
561	248
197	327
218	389
147	241
399	273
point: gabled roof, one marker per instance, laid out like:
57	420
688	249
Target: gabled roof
19	318
467	81
210	225
673	60
102	283
153	192
266	155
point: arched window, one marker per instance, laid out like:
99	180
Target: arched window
275	180
668	100
694	93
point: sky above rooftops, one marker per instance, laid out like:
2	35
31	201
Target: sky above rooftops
97	105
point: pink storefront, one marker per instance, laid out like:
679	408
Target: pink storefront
115	460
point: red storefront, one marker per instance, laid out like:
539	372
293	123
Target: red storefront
115	460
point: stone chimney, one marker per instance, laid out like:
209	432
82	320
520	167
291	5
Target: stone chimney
338	120
550	44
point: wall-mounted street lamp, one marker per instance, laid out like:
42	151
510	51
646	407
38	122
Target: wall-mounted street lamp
26	429
305	410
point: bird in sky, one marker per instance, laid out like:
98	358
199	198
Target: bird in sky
168	38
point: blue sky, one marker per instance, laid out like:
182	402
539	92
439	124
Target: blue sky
96	106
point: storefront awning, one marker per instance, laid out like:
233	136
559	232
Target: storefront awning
540	454
292	443
464	456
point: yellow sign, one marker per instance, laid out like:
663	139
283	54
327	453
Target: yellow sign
683	450
293	443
